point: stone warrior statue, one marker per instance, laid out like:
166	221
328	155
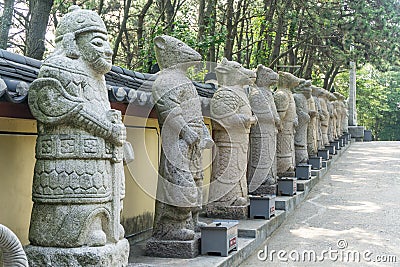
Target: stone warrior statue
78	182
184	136
231	119
261	170
286	108
300	136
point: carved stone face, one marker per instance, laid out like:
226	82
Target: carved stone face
266	77
232	73
95	51
288	80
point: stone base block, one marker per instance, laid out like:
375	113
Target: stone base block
357	132
232	212
104	256
265	190
173	248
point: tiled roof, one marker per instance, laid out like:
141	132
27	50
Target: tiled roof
125	86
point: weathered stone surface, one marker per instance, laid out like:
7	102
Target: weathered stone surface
78	182
332	117
286	108
300	137
184	136
324	116
228	212
115	254
11	251
261	169
173	248
319	117
231	119
312	129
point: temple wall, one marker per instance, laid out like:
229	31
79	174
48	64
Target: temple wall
17	159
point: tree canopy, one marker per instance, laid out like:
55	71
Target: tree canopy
312	39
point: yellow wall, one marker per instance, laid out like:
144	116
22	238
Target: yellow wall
17	159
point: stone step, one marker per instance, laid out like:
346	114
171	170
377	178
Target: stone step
251	233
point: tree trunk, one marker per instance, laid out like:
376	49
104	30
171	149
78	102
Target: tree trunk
6	21
201	24
40	12
122	29
140	26
229	28
211	18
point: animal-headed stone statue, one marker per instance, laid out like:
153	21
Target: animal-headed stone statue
78	182
300	137
323	98
261	170
231	119
286	108
319	117
184	135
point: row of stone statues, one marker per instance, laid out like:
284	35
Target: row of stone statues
78	182
259	135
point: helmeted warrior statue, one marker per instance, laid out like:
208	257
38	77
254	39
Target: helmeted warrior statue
231	119
78	183
286	108
300	136
261	170
184	135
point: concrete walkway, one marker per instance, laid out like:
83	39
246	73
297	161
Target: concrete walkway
350	218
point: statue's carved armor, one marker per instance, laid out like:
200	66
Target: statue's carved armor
261	169
228	180
325	118
285	151
78	181
184	135
312	146
300	137
319	118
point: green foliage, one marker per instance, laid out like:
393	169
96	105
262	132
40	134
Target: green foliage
378	95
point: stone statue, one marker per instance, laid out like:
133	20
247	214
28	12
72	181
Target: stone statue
300	137
312	131
184	136
323	98
286	108
78	182
332	117
11	248
261	169
346	116
231	120
319	117
339	111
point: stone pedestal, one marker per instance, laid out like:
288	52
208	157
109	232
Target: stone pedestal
336	145
331	149
357	132
323	153
227	212
303	172
287	186
103	256
262	206
173	248
315	162
219	237
367	136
